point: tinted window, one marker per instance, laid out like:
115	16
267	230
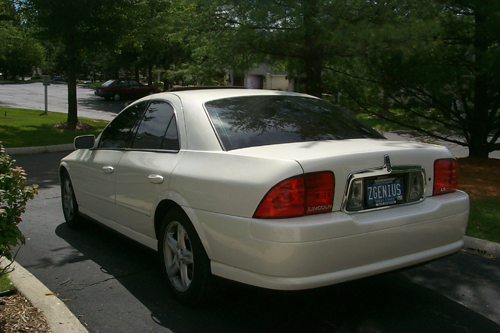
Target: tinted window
123	84
158	128
118	134
171	140
264	120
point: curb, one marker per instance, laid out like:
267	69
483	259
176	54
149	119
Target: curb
485	247
39	150
59	317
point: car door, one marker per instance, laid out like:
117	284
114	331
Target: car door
136	89
94	176
144	170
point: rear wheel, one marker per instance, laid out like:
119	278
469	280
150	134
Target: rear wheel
116	97
183	259
69	205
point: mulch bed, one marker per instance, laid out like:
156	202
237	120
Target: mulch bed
17	314
480	178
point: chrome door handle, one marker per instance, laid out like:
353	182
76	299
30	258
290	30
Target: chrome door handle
155	179
108	169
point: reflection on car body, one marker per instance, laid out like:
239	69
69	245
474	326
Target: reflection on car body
273	189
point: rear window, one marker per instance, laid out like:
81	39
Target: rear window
107	83
251	121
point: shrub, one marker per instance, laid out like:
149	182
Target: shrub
13	198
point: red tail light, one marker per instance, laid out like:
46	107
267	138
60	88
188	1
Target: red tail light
445	176
311	193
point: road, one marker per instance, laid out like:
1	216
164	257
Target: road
113	284
31	96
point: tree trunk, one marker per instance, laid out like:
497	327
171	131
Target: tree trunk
313	54
150	74
72	98
479	126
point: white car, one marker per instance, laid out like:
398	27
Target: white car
273	189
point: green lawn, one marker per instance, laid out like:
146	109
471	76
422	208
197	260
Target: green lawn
5	283
379	124
28	128
484	219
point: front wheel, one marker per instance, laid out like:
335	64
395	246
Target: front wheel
183	259
69	204
116	97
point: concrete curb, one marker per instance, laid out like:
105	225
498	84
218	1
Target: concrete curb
486	247
39	150
59	317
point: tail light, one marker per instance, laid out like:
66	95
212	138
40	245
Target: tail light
445	176
306	194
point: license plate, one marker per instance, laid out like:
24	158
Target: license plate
384	191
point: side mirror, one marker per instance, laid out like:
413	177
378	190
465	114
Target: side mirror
85	142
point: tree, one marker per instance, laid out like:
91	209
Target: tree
438	67
79	26
306	35
19	51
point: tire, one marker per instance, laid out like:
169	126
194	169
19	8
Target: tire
116	97
69	204
184	261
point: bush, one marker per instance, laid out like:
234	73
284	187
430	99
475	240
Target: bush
36	77
13	198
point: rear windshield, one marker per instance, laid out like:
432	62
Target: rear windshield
250	121
107	83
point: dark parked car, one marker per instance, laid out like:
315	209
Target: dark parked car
58	79
123	89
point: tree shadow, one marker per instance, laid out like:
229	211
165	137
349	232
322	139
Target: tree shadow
42	169
384	303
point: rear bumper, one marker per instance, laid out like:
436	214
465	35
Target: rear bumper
321	280
326	249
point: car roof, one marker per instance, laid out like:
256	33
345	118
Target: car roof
203	95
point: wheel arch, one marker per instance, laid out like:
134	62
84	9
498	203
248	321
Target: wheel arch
167	205
63	171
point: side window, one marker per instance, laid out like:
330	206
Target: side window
158	129
118	134
123	84
171	140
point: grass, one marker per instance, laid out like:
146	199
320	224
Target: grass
484	219
28	128
5	283
379	124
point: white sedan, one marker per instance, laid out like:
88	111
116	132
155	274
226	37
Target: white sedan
273	189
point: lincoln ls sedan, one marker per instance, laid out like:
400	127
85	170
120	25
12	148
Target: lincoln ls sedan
273	189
